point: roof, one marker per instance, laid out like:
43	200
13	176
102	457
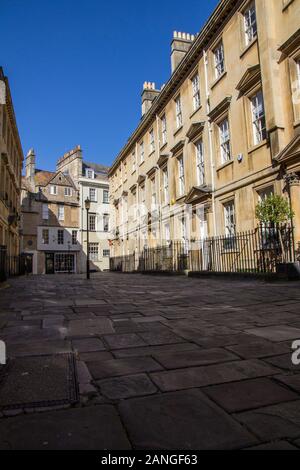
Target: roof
42	178
100	170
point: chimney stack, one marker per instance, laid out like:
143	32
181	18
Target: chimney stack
30	165
180	45
148	96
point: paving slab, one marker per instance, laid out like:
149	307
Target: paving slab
151	350
157	337
292	381
273	422
128	340
181	420
259	349
200	357
191	377
283	362
37	348
89	327
249	394
118	367
276	333
88	345
279	445
126	387
90	428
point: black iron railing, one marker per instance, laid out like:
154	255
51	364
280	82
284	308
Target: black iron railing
253	251
10	265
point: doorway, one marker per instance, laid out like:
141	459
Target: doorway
49	263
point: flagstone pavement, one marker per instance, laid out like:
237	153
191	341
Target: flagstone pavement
162	363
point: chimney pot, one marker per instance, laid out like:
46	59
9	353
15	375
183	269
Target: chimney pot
148	95
180	45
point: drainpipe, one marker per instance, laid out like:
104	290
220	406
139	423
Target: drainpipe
210	130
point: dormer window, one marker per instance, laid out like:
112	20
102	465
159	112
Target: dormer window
89	174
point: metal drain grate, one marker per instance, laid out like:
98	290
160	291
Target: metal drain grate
39	381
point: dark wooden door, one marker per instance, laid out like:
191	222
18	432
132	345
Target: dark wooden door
49	260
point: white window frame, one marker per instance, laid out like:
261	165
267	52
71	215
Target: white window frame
225	144
181	176
166	185
298	71
153	191
196	91
250	23
264	193
178	106
167	233
53	190
152	141
89	173
68	191
45	212
93	194
133	156
106	198
258	117
61	212
60	237
142	152
74	237
93	251
219	58
199	146
106	223
143	194
93	227
229	219
45	231
164	129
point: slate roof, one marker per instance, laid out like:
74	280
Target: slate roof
101	171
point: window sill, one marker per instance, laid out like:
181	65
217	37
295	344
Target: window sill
151	154
134	171
223	75
257	147
296	124
142	163
179	198
285	7
163	146
224	165
195	111
177	131
249	46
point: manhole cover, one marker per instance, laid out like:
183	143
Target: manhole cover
38	381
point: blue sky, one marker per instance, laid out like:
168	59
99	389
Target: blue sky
76	68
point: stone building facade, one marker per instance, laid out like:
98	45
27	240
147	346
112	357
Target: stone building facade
11	160
221	134
50	219
93	185
52	216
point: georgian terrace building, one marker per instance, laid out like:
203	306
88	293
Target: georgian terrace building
11	160
221	134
